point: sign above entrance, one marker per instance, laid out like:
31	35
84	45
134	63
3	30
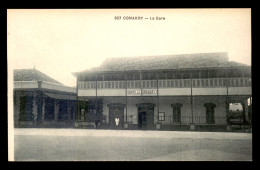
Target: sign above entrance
138	92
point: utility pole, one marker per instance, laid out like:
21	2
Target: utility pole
191	100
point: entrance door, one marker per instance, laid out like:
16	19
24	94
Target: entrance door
116	110
210	113
142	123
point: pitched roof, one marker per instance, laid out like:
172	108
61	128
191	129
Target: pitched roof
199	60
32	75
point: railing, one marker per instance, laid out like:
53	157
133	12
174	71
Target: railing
169	83
25	84
170	120
58	87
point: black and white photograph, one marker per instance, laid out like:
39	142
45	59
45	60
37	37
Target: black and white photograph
168	84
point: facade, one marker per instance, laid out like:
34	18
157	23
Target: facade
40	101
165	92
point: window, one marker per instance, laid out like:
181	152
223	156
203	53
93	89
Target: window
145	76
99	78
210	110
92	78
178	75
130	76
153	76
212	74
195	75
86	78
176	112
221	73
170	75
204	74
186	75
161	116
81	78
161	75
136	76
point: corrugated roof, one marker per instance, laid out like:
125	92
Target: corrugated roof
32	75
199	60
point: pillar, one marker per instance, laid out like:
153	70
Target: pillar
35	113
16	109
69	110
43	109
246	109
56	110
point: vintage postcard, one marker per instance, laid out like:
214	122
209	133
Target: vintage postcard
129	84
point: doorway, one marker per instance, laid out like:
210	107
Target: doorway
116	110
142	123
145	116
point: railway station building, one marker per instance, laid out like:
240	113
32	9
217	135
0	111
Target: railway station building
170	92
41	101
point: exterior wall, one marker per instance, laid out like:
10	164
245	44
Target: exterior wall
196	91
199	111
38	109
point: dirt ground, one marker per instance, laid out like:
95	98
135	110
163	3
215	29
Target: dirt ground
126	145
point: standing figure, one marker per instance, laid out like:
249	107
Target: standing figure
117	122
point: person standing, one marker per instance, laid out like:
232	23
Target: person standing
117	122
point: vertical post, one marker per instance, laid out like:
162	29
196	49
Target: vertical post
96	105
191	100
35	112
69	110
43	109
227	100
126	96
157	98
77	102
141	78
227	103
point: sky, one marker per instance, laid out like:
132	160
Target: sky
61	41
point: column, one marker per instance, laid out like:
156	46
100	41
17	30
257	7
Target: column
35	113
17	109
69	110
246	109
43	109
56	110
